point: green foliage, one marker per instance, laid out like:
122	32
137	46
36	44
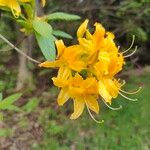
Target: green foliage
47	46
5	132
45	39
62	16
140	34
31	105
7	103
42	28
62	34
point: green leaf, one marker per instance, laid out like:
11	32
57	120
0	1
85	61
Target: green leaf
23	23
12	107
47	46
62	34
1	96
31	105
9	100
42	28
62	16
5	132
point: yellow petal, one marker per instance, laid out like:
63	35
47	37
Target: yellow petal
78	108
75	91
64	72
13	5
90	85
63	96
109	44
73	57
116	64
60	47
59	82
50	64
111	35
87	44
82	29
88	35
76	80
92	103
98	35
104	92
24	1
113	87
104	61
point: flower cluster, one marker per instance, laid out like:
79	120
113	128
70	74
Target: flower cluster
14	5
88	69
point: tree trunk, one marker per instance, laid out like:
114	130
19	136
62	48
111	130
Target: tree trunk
24	75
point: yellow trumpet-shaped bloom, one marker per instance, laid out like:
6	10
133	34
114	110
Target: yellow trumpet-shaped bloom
108	89
13	5
108	64
83	92
71	57
97	44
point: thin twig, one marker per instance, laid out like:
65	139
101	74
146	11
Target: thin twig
18	50
9	49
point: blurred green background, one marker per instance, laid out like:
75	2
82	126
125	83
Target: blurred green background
46	126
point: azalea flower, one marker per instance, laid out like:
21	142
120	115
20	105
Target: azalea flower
88	70
83	92
68	59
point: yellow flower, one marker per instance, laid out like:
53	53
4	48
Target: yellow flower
108	89
108	64
99	45
91	43
83	92
88	70
68	58
13	5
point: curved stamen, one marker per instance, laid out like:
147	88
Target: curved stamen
130	99
123	83
14	12
134	92
133	39
131	53
93	116
112	108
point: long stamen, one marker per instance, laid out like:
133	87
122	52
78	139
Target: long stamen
130	99
14	13
133	39
134	92
112	108
93	116
131	53
123	83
